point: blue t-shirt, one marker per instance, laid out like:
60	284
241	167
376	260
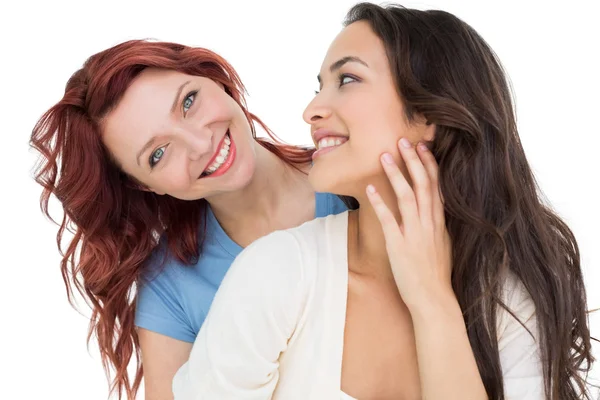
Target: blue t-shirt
174	298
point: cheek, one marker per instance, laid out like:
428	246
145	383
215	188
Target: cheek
376	129
174	178
379	127
222	107
365	114
372	132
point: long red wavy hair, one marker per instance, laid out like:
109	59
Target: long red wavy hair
115	225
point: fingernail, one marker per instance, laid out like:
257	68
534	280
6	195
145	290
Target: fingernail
387	157
423	146
405	143
371	189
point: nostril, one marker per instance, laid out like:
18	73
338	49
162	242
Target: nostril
315	118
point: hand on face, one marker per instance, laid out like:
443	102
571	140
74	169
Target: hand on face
418	247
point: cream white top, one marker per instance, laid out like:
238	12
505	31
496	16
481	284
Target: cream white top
275	329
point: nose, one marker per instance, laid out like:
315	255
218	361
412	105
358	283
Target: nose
317	109
198	142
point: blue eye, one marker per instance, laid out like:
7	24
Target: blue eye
156	156
188	101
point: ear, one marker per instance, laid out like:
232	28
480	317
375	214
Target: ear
429	132
425	128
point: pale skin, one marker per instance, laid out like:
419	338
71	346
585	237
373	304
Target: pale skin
405	337
257	195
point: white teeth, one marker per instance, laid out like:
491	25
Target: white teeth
223	153
329	142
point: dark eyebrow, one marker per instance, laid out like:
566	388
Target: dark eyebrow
143	149
175	101
339	63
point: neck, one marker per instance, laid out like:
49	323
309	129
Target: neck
367	246
274	183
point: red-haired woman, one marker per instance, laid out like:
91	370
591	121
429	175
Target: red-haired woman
154	156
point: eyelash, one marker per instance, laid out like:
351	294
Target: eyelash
341	78
192	95
151	158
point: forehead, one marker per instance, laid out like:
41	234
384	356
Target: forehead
359	40
152	80
146	102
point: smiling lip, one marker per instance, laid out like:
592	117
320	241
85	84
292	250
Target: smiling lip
323	133
227	163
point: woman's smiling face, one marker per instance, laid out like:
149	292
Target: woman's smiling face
357	115
180	135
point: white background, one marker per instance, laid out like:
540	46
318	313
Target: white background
549	49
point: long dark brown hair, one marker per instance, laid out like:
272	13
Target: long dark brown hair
497	220
115	224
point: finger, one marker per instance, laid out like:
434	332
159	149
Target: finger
407	202
420	180
431	166
391	230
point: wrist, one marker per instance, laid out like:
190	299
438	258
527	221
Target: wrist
434	302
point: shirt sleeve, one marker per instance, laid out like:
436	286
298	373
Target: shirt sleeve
252	317
159	307
519	348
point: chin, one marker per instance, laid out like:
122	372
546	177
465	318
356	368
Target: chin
344	181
